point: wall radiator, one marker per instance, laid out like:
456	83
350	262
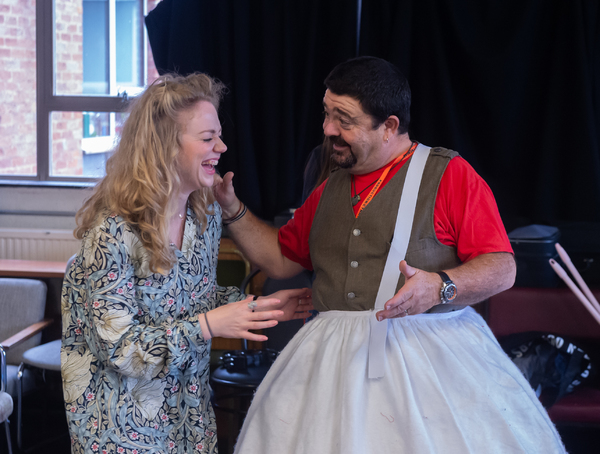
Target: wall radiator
33	244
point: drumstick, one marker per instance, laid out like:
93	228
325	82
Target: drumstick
563	275
582	285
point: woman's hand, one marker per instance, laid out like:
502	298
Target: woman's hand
235	320
294	303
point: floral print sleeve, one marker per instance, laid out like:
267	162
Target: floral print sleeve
134	360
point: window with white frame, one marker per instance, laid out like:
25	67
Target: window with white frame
69	73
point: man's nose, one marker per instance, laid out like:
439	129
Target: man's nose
329	128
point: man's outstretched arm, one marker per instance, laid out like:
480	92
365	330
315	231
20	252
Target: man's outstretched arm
257	240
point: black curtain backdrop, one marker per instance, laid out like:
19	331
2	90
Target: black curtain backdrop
512	85
273	55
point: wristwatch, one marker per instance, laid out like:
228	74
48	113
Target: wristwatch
448	291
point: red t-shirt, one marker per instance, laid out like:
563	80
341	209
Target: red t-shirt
465	215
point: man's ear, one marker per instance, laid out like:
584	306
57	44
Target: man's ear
391	125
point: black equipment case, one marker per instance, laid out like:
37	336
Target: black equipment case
534	246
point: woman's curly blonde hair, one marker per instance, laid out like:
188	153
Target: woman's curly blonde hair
142	175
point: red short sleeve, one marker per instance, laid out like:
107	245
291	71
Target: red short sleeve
466	215
293	237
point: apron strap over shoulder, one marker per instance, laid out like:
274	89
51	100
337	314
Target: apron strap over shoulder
391	272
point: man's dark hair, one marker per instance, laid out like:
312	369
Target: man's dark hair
378	85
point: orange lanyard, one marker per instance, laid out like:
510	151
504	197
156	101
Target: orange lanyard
383	175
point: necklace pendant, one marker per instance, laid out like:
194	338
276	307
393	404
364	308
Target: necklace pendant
355	199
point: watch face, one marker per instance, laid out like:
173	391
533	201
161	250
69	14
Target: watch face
449	292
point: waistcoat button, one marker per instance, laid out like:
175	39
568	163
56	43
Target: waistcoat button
351	295
356	232
354	264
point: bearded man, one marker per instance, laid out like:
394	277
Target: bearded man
403	239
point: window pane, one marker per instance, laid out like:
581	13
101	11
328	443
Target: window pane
129	58
17	90
98	47
96	74
82	142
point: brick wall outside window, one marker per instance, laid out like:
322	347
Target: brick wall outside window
17	95
18	87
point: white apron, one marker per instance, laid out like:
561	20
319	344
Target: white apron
447	388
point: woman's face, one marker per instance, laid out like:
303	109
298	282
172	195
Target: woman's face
201	147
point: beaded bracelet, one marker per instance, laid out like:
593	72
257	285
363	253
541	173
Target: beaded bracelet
237	217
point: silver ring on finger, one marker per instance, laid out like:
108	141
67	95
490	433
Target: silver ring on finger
405	312
252	305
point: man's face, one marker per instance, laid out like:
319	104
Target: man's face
356	145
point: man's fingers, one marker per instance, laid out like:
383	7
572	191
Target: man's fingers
392	313
301	315
401	297
300	292
407	270
395	307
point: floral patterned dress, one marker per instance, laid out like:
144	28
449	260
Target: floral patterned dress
135	365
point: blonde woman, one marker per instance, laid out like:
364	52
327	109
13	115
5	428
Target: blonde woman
140	303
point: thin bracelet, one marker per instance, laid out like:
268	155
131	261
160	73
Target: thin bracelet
236	214
208	326
237	217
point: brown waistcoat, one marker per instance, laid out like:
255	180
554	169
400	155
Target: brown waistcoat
348	254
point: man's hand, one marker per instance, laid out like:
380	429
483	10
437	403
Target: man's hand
476	280
420	292
295	303
225	195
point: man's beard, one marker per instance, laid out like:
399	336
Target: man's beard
344	161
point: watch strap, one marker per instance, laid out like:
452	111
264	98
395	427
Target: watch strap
444	277
447	285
